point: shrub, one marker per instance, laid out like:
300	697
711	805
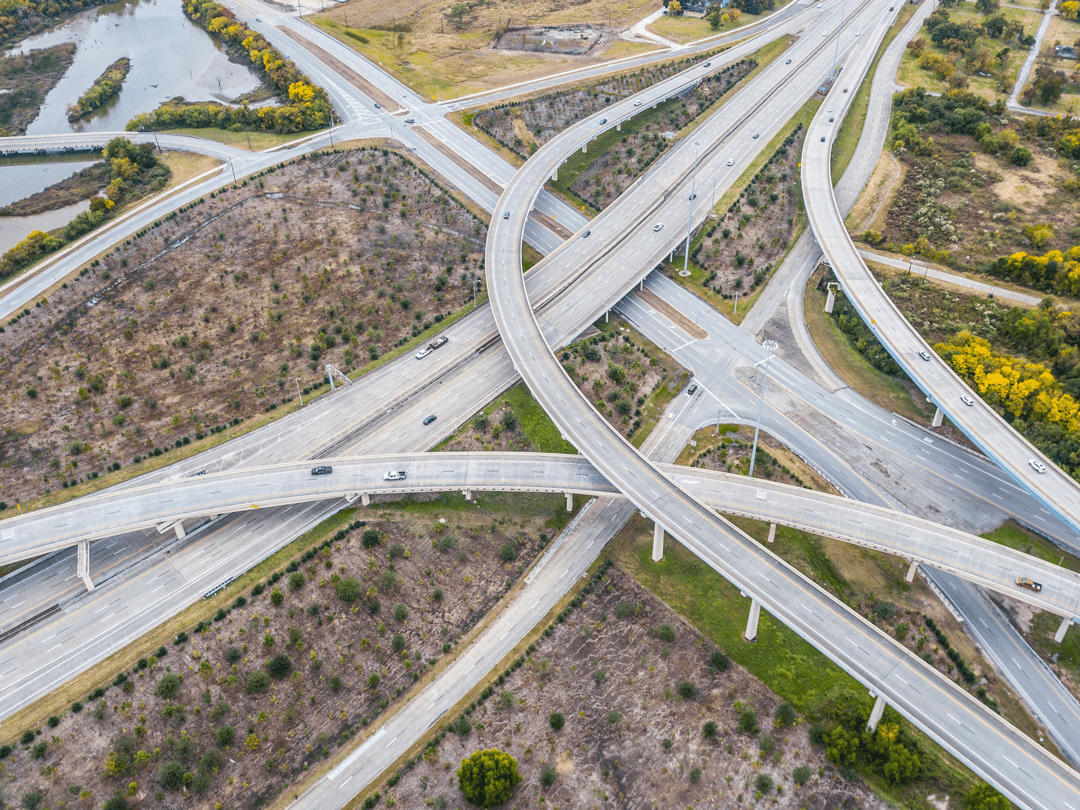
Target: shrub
296	581
624	610
710	731
170	775
557	721
32	799
548	775
687	690
370	538
27	737
695	775
767	744
613	717
461	726
336	683
396	550
38	751
257	681
169	685
665	632
801	775
397	643
349	589
225	735
276	597
233	654
117	802
599	676
211	761
487	778
279	667
387	581
984	797
508	552
748	722
784	717
763	784
401	613
719	661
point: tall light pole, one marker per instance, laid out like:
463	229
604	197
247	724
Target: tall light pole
690	216
770	347
836	54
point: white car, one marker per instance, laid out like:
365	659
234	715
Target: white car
731	162
394	476
658	226
637	103
1037	465
967	400
925	356
424	352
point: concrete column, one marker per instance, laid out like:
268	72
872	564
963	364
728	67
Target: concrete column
1059	636
569	502
467	493
830	301
938	417
607	315
772	532
641	284
365	499
752	621
555	174
911	569
875	715
585	147
657	543
618	127
82	565
178	527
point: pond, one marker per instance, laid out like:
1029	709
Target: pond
20	181
14	229
169	56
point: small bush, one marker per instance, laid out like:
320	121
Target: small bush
556	721
397	643
370	538
257	681
763	784
279	667
665	632
548	775
401	613
613	717
687	690
719	661
710	731
624	610
801	775
233	654
296	581
748	722
784	717
695	775
225	735
462	726
169	685
767	744
276	597
170	775
349	589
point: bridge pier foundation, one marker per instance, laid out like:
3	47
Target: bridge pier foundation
1063	628
830	301
585	147
365	499
875	715
555	174
177	526
618	127
467	493
657	542
772	532
911	569
752	620
569	501
82	565
938	417
607	315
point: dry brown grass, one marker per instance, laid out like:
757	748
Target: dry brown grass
874	201
417	42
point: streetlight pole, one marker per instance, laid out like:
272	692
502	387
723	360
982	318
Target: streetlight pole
233	168
836	54
690	215
297	381
475	284
331	127
770	347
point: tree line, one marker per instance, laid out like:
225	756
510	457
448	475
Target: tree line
108	84
22	18
305	105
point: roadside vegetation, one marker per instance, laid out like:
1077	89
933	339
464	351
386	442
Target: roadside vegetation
134	172
242	703
627	379
1054	84
447	50
217	314
303	105
82	185
514	421
105	87
619	697
27	80
20	19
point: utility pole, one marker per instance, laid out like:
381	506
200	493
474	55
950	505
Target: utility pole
690	215
770	347
297	381
331	127
233	168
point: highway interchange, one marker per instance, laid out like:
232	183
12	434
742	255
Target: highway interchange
388	422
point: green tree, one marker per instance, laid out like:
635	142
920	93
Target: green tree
984	797
842	746
714	20
487	778
349	589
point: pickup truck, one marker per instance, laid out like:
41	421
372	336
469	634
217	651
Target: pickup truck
394	476
1030	584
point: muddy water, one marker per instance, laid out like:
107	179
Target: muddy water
14	229
169	57
19	182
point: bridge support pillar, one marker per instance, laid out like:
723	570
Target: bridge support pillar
772	532
641	285
752	621
657	542
569	501
467	493
1059	636
82	565
555	174
585	147
365	499
875	715
177	527
618	127
830	301
911	569
607	314
938	417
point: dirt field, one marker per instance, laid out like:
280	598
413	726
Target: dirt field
220	313
633	734
628	379
982	201
433	573
435	50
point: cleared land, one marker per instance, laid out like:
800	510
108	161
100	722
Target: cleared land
251	697
209	318
436	49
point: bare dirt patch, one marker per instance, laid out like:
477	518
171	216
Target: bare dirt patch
635	706
210	317
435	570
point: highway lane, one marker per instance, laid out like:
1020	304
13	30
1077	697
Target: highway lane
122	511
979	738
978	420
